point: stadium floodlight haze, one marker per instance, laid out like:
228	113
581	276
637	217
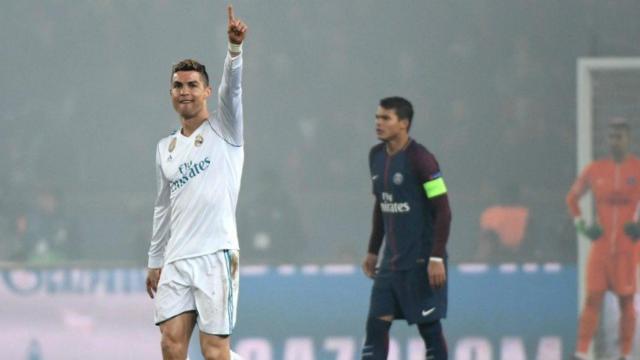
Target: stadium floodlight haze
514	100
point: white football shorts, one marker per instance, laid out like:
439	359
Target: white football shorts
206	284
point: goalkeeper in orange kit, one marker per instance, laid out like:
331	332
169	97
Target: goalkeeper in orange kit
615	184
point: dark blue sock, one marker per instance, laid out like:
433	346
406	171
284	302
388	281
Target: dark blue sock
434	340
376	345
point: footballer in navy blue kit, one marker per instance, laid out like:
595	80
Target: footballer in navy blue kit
412	216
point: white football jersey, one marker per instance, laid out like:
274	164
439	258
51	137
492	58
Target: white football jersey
198	179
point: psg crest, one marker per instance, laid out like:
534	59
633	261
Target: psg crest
397	178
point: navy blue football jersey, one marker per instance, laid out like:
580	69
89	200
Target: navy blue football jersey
405	185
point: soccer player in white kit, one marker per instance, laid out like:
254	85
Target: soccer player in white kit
193	257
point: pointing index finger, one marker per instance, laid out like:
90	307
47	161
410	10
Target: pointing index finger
230	13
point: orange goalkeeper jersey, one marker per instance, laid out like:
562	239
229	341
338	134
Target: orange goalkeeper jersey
616	191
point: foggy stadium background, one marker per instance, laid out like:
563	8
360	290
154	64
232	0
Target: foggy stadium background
493	83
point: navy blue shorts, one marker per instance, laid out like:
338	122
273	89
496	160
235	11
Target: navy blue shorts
407	295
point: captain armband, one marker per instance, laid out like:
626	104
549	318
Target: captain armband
435	187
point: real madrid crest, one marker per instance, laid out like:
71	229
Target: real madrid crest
172	145
397	178
199	140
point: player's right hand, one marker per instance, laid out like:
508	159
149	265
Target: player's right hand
369	265
153	277
593	232
236	28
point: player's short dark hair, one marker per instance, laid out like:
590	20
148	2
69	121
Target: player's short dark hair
402	107
619	123
191	65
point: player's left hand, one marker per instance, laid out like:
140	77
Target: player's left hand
632	229
236	28
437	274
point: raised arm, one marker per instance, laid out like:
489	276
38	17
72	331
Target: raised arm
230	91
237	31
